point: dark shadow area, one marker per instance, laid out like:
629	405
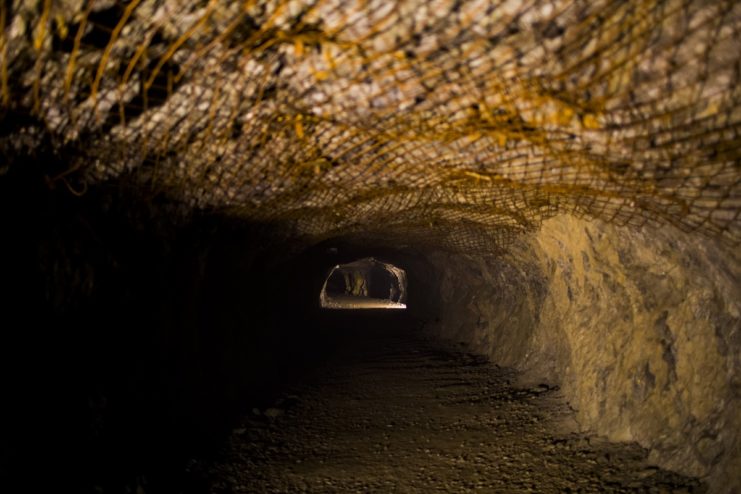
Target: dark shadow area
135	333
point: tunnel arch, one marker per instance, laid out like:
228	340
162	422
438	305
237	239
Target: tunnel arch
364	284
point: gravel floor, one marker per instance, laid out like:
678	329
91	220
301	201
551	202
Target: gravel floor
392	414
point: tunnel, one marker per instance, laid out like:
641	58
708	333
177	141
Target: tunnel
364	284
208	208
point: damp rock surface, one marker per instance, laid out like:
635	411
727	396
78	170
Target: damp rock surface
395	414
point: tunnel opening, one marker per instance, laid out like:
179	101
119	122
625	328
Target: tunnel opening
364	284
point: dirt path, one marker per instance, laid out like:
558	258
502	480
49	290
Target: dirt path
400	415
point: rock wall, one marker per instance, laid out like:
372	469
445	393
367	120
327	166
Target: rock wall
134	334
641	328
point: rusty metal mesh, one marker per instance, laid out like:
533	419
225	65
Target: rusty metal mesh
459	123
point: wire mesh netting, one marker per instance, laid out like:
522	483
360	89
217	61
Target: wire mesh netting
458	123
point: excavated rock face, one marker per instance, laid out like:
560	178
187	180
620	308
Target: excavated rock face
571	168
456	123
641	328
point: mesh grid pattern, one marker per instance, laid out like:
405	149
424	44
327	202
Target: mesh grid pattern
458	123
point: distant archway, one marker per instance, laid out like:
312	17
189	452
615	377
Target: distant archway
364	284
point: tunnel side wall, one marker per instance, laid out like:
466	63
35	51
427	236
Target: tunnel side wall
640	328
135	333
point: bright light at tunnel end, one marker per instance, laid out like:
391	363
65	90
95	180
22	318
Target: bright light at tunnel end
364	284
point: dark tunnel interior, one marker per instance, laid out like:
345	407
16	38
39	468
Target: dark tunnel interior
135	336
197	199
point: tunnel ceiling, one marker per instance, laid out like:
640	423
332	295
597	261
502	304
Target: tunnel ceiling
455	123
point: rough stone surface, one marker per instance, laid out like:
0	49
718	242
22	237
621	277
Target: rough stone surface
459	124
640	328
